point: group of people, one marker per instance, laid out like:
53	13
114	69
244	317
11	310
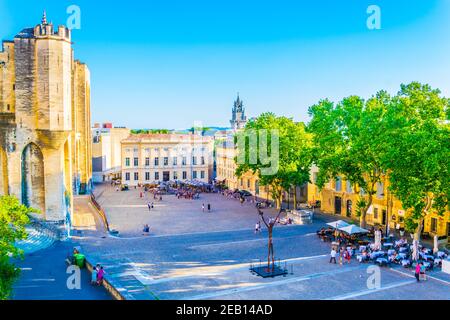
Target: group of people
345	255
331	234
188	194
396	252
208	206
97	276
420	272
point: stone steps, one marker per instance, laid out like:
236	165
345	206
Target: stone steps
37	240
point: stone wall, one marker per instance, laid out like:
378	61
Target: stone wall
38	137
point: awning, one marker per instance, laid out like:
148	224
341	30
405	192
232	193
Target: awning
338	224
352	229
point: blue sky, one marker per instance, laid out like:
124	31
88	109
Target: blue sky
166	64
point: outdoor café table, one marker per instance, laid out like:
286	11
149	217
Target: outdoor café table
377	254
399	243
382	261
361	258
402	255
405	262
391	252
427	257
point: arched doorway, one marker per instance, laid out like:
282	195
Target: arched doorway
3	172
33	179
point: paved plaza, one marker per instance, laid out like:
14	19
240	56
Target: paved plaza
44	277
191	254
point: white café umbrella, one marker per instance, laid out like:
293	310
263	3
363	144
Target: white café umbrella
352	229
338	224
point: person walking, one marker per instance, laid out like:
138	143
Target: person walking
349	255
422	272
417	273
346	256
149	206
209	207
100	276
333	255
94	276
257	227
203	207
341	256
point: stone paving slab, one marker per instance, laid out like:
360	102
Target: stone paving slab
44	277
208	257
128	213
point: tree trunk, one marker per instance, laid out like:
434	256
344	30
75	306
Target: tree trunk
362	218
418	231
295	198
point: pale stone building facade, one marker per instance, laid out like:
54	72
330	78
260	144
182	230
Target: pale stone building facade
107	152
155	158
45	137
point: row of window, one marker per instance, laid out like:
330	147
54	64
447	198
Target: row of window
202	149
165	161
349	188
166	175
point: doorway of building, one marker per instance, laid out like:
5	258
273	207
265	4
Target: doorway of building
166	176
337	205
383	217
349	208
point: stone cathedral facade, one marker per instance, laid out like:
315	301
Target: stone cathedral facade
45	136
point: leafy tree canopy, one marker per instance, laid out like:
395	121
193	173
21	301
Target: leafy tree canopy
349	142
419	151
13	219
287	145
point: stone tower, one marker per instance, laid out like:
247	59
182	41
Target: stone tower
44	120
238	119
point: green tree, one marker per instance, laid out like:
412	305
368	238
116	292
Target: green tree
348	143
286	143
419	152
13	219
